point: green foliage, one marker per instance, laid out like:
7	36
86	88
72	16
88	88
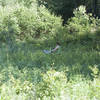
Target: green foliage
25	70
95	88
95	71
20	76
53	83
39	24
17	84
8	24
27	3
82	25
65	7
28	23
9	29
60	7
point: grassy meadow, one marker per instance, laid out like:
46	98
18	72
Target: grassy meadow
26	73
21	70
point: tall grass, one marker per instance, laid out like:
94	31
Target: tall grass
20	73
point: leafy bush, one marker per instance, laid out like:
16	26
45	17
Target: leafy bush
38	24
9	29
95	85
28	23
53	83
27	3
17	84
82	25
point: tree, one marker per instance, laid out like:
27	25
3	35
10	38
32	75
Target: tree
65	7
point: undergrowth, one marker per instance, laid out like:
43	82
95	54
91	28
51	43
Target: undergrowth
24	72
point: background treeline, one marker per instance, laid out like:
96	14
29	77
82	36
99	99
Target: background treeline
26	21
62	7
29	20
65	7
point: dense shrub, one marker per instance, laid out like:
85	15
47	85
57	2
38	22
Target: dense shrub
9	29
16	84
27	3
27	23
38	24
82	25
52	85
